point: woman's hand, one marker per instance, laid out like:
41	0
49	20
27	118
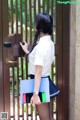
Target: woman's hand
24	47
35	100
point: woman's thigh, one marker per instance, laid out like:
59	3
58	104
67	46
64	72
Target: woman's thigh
43	110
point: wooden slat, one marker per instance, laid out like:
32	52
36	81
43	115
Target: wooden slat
27	78
66	59
13	91
48	6
59	59
21	20
52	7
30	21
34	9
12	16
16	17
18	106
1	61
43	6
26	37
4	55
38	6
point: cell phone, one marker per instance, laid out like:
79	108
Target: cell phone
23	43
21	52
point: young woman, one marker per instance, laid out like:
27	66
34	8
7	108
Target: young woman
41	58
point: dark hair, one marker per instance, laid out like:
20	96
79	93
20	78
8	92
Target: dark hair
43	23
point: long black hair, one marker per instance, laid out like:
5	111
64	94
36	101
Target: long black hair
43	23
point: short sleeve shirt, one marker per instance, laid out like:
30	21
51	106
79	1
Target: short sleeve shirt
43	55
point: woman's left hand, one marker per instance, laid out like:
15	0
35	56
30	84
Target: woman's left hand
35	100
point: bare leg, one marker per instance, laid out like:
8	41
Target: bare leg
51	109
43	110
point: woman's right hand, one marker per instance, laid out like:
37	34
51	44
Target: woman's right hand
24	47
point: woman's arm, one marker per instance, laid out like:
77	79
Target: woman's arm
35	98
38	75
24	47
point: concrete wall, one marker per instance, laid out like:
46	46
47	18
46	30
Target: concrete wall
74	63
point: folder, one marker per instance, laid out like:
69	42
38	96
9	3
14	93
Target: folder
27	89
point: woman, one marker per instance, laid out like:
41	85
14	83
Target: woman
41	58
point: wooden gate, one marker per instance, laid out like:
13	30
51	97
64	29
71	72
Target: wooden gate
17	24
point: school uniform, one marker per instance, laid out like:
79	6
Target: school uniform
43	55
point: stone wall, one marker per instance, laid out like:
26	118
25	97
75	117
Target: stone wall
74	63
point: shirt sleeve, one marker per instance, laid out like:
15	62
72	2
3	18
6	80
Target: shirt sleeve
39	56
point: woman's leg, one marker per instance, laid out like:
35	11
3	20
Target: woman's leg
43	110
51	109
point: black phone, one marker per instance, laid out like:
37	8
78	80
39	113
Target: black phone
21	52
23	43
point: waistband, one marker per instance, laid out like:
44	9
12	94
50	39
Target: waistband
32	76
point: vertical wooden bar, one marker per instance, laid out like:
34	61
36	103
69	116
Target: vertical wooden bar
52	6
48	6
19	78
22	79
26	39
43	5
59	61
50	9
13	88
38	3
17	59
27	78
34	9
16	17
21	20
10	76
66	57
5	54
12	16
9	14
1	61
18	91
30	9
38	6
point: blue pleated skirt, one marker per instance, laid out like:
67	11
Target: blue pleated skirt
53	89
